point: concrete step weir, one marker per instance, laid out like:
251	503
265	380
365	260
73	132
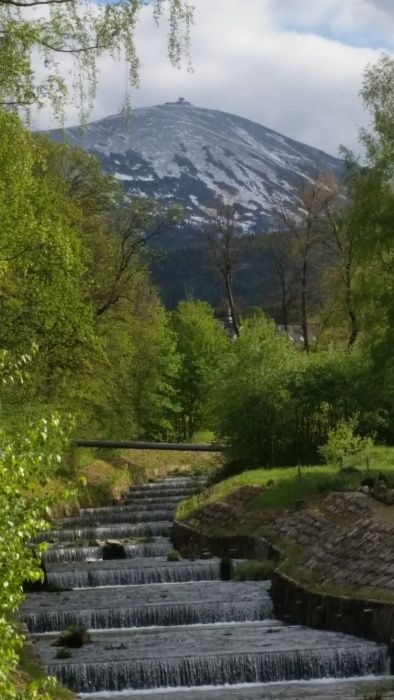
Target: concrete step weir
131	572
103	532
143	606
155	547
173	629
324	689
119	515
211	654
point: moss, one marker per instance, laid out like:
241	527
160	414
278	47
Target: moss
254	570
29	669
63	654
173	555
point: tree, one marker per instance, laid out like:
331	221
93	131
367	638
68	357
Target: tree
43	293
155	370
252	403
280	249
202	345
83	31
222	234
27	462
373	214
114	228
339	249
304	229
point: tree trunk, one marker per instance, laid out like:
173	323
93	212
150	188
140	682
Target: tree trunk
304	307
231	304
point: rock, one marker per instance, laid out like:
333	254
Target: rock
113	549
364	489
73	637
368	481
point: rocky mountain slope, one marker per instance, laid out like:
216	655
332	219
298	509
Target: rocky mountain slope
187	154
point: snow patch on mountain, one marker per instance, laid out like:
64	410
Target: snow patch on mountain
188	155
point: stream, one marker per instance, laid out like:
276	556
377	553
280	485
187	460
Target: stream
173	630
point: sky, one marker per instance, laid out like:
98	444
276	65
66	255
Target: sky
295	66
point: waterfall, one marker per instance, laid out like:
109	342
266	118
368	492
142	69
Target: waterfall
220	669
153	502
156	623
54	555
147	615
138	506
123	515
105	532
163	492
116	575
157	548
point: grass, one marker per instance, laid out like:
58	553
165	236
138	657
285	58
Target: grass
254	570
283	487
109	473
150	464
29	669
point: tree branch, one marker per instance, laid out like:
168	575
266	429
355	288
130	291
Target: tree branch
32	3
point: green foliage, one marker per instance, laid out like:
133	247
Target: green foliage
63	654
283	486
254	570
251	399
73	637
155	371
84	31
26	465
173	555
202	345
343	442
276	405
42	285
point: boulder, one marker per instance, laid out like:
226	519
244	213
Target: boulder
113	549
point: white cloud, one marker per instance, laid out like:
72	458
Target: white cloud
263	59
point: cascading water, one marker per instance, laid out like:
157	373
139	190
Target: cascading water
122	515
170	623
106	532
158	547
131	606
123	573
212	655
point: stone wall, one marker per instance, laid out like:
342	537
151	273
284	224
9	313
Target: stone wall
189	541
295	604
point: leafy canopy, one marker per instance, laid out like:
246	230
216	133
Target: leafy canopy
83	31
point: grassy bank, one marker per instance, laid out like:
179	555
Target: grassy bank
30	670
107	474
281	488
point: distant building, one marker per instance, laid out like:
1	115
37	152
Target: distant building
295	333
180	101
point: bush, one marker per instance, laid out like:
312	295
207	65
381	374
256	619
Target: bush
254	570
73	637
63	654
173	555
344	443
226	569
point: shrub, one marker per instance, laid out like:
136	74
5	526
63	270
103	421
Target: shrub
63	654
254	570
173	555
343	442
74	637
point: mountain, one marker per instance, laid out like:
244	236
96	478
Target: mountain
187	154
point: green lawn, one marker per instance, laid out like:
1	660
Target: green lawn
284	486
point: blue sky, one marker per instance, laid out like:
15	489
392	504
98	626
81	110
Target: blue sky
295	66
